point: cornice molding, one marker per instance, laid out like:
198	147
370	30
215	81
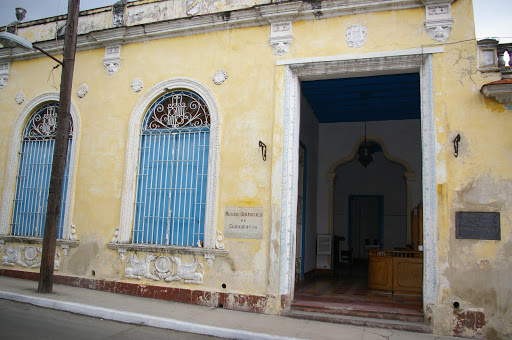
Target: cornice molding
251	17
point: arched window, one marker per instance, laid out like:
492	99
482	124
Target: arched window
172	178
27	174
34	170
170	185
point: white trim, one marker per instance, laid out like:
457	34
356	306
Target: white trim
132	155
413	51
13	162
345	68
428	141
290	178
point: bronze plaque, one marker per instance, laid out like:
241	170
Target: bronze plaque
477	225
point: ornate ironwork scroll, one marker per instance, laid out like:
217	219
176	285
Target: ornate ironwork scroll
177	109
43	123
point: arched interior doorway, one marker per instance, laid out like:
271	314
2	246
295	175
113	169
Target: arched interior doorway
369	203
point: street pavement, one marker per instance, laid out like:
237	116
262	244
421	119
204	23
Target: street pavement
165	315
24	321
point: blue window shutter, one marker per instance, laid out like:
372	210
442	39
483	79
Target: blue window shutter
170	205
33	179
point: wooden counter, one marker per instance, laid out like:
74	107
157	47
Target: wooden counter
396	271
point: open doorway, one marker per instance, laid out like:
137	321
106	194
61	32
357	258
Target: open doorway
363	204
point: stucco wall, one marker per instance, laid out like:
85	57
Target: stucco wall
474	273
105	112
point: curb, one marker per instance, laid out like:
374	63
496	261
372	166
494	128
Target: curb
138	319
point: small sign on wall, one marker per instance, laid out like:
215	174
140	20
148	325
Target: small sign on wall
324	244
243	222
477	225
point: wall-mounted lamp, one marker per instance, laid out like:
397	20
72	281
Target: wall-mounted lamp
456	141
263	150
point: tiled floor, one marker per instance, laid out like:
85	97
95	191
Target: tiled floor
350	285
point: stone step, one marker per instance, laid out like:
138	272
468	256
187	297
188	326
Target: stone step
409	326
366	310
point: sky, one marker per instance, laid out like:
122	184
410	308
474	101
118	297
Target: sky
492	17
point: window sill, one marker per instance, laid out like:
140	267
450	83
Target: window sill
166	249
37	240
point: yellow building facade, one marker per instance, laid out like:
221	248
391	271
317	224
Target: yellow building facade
259	71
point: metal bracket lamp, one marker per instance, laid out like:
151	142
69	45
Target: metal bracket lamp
12	40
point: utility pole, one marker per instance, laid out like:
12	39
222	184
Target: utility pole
60	154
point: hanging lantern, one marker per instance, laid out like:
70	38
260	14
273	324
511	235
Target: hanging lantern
365	149
365	153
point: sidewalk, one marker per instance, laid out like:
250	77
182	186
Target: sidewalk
189	318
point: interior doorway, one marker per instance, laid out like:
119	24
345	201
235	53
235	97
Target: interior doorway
365	226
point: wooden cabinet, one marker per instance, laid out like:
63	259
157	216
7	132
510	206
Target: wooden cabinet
396	271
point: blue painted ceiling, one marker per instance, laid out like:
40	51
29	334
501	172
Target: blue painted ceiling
386	97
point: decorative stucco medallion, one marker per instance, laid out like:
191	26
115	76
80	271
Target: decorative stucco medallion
30	253
82	90
162	264
220	77
137	85
20	98
356	36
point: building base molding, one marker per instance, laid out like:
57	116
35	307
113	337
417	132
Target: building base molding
239	302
